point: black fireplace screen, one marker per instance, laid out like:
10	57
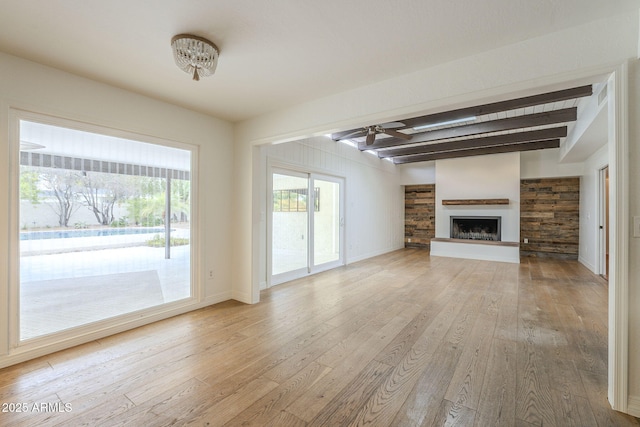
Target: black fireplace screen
475	227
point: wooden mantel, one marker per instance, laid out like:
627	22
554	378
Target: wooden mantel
469	202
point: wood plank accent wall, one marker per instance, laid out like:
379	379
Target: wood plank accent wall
419	215
550	217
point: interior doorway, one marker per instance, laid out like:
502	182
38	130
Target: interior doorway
306	224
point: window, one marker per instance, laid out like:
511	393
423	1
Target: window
104	227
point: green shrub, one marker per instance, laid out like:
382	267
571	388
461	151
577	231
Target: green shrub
159	241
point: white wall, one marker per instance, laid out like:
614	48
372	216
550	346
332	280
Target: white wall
374	198
418	173
546	164
29	86
589	188
494	176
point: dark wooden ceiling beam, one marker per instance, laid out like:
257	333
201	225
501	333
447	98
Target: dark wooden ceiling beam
529	120
507	148
494	107
488	141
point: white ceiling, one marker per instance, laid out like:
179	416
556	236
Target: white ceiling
274	54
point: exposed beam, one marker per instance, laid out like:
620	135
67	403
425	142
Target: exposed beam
529	120
494	107
487	141
527	146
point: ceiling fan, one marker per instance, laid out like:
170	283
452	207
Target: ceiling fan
371	131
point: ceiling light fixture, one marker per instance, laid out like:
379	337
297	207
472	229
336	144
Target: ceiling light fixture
448	122
195	55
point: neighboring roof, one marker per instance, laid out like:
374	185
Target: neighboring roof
43	139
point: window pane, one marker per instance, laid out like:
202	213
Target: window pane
94	222
326	222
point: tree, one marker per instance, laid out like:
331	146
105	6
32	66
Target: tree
180	196
144	205
61	184
100	192
147	206
29	190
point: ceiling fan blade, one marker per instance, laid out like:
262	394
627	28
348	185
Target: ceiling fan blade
396	134
355	134
371	136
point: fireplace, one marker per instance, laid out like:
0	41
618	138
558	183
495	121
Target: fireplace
476	227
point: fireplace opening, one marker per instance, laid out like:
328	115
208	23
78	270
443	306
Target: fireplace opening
475	227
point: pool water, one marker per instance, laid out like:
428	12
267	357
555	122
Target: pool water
66	234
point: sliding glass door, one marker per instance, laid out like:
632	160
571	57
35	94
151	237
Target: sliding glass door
307	224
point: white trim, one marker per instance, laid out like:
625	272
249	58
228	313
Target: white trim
619	239
582	260
633	408
373	254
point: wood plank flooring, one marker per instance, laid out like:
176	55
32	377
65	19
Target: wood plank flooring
402	339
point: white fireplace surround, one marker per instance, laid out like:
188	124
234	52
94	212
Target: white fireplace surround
494	176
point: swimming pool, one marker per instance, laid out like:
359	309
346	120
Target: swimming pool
66	234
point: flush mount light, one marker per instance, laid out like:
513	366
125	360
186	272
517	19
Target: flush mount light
195	55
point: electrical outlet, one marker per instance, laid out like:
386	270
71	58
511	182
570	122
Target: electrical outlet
526	240
409	240
210	274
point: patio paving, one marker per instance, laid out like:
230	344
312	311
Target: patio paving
83	284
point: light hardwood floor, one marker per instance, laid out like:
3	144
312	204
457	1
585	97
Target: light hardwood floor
402	339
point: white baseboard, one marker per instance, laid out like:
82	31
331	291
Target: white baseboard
242	296
587	264
633	406
216	298
372	254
